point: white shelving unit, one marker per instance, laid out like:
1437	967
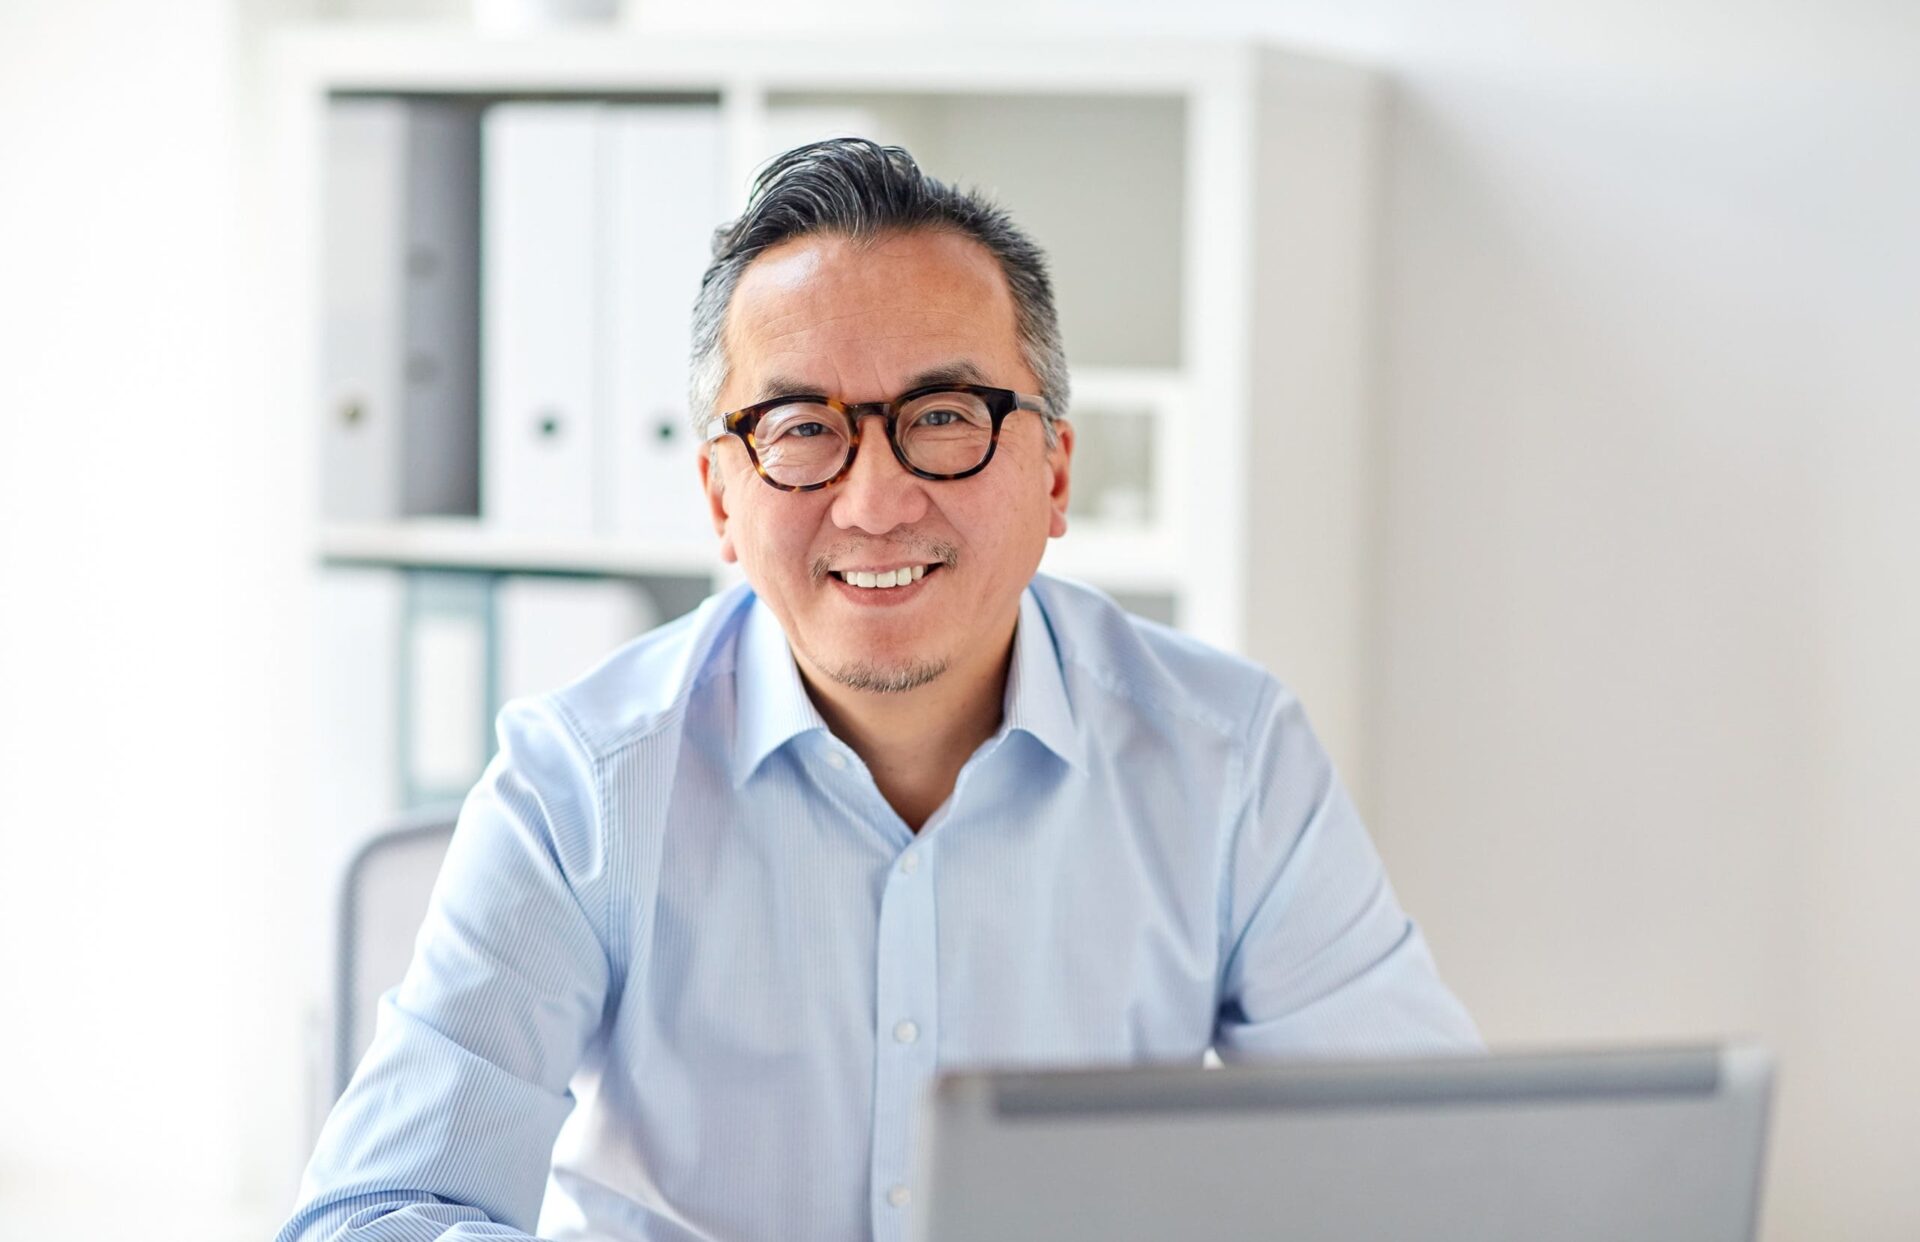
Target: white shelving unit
1209	211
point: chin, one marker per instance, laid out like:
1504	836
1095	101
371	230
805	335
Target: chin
893	677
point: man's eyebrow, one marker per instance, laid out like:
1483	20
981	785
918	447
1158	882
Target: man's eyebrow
958	372
782	386
961	371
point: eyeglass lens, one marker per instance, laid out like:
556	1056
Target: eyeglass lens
803	443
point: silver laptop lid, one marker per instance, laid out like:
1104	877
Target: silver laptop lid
1537	1147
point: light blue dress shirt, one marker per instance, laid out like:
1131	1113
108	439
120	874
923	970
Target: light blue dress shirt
680	930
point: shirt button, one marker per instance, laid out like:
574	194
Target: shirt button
836	761
909	862
899	1196
906	1032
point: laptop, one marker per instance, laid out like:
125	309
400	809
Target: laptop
1640	1144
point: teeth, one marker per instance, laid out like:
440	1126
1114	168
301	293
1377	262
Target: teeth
891	578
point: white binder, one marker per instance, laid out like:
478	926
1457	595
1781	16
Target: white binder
665	196
357	693
552	629
540	260
399	433
446	722
354	769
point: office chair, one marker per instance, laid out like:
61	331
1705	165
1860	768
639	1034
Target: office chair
383	899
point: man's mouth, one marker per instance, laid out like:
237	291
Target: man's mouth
884	579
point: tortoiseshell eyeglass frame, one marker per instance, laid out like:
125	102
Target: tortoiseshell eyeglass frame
1000	403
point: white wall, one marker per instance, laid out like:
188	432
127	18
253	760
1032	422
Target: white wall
1645	683
1648	591
1645	582
135	822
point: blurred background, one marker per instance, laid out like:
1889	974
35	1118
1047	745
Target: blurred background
1593	551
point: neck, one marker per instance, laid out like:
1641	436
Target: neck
915	742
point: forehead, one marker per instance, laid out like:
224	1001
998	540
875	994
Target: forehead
832	311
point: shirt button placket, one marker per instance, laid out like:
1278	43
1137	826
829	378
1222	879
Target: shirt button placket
906	996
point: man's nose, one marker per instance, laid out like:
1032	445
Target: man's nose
879	493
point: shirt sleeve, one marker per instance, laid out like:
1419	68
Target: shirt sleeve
448	1126
1321	960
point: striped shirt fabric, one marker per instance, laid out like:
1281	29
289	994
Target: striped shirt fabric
685	974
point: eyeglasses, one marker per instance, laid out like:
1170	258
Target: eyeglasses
806	442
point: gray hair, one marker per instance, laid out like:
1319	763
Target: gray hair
859	189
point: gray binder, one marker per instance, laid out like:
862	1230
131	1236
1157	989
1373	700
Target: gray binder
400	422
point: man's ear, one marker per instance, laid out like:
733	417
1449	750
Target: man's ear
1059	462
714	487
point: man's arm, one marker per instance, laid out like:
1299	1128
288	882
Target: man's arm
1321	960
451	1118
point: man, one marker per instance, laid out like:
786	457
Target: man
894	806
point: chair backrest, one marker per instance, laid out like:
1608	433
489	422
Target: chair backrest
383	899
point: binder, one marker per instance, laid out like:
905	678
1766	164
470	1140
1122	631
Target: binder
440	429
665	194
357	696
355	779
399	432
551	629
446	680
540	256
361	349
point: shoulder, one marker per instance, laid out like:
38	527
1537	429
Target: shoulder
642	687
1151	668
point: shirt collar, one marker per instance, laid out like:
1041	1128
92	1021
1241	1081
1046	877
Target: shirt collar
1036	699
773	707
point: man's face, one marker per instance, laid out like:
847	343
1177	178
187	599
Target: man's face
866	322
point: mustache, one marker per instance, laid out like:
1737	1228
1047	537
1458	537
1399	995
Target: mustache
931	551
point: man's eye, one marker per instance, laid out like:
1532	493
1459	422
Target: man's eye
939	418
803	430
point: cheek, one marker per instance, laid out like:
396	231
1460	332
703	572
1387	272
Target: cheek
781	537
1004	517
784	551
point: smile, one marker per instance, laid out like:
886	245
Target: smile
884	579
